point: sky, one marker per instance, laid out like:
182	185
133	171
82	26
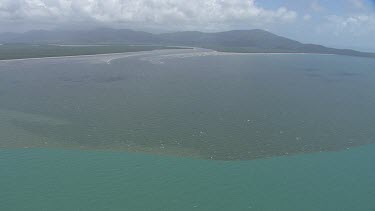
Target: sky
335	23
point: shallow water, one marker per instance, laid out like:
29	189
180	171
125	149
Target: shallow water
191	103
62	180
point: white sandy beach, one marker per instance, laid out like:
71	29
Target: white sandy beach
153	56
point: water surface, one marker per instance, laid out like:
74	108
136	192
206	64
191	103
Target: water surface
62	180
192	103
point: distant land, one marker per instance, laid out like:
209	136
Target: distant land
241	41
12	51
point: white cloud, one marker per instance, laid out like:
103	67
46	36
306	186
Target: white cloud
316	6
307	17
357	4
347	31
163	12
354	25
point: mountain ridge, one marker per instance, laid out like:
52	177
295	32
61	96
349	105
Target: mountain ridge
243	41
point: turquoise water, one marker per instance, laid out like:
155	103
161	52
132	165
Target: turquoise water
188	130
41	179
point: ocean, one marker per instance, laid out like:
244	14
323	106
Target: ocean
188	130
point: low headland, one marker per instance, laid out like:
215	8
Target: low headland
39	44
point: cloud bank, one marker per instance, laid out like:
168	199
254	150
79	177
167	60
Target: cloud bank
354	25
316	21
162	12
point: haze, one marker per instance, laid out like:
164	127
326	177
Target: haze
333	23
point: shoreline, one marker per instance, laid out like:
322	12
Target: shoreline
76	56
114	54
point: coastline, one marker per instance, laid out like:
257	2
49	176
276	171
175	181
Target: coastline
78	56
208	52
24	52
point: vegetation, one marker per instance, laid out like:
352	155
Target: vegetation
125	40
